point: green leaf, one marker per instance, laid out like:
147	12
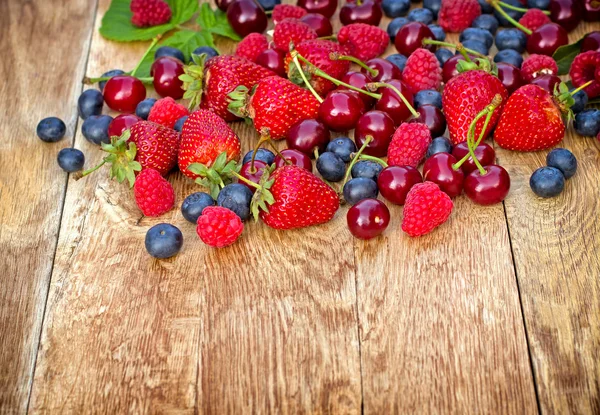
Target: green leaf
564	56
198	168
215	21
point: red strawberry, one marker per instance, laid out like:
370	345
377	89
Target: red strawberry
156	145
533	19
583	70
154	195
149	12
291	31
422	71
364	41
456	15
166	112
251	46
426	208
219	227
538	65
283	11
409	144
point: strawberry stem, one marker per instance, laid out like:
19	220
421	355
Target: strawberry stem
154	42
378	85
336	56
355	158
496	5
453	46
309	86
374	159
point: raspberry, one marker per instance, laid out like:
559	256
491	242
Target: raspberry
284	11
251	46
426	208
219	226
583	70
154	195
456	15
422	71
166	112
538	65
291	30
363	41
149	12
409	144
533	19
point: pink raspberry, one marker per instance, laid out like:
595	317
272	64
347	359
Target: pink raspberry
149	12
426	208
284	11
533	19
363	41
583	70
409	144
456	15
291	31
538	65
154	195
219	226
251	46
422	71
166	111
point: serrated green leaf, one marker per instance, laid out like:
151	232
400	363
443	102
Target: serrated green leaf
130	177
564	56
198	168
215	21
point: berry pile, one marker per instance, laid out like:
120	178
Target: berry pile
299	82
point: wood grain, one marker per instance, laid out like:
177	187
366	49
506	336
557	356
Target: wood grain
38	80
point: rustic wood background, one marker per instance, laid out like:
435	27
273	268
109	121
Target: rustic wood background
498	311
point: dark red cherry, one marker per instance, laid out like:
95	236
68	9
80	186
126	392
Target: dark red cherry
548	82
325	7
121	123
367	12
123	92
394	182
386	70
410	38
224	4
546	39
308	135
165	72
591	41
510	76
591	10
379	126
252	174
246	16
274	60
319	23
392	104
438	169
490	188
449	70
433	118
566	13
359	80
368	218
484	153
296	157
341	110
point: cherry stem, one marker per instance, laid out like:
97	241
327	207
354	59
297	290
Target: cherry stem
453	46
461	49
261	141
79	175
496	5
355	158
518	9
397	91
310	87
316	152
242	178
374	159
336	56
573	92
274	147
330	37
154	42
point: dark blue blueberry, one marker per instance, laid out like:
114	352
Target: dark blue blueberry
443	55
395	25
587	122
51	129
331	167
476	45
143	108
512	13
434	6
428	97
360	188
111	73
538	4
95	128
194	204
486	22
439	145
179	123
70	159
547	182
395	8
563	160
90	102
485	7
424	16
207	50
438	32
367	169
480	35
581	100
342	147
398	60
262	154
511	39
269	5
169	51
236	197
509	56
163	240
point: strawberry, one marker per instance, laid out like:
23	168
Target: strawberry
154	195
147	13
291	31
209	84
426	208
157	146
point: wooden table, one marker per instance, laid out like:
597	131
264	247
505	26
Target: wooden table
498	311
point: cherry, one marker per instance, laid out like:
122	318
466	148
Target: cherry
379	126
224	4
548	82
165	72
410	38
484	153
490	188
392	104
308	135
246	16
296	157
591	10
123	92
546	39
121	123
433	118
325	7
341	110
357	11
319	23
359	80
368	218
252	174
274	60
438	169
566	13
386	70
394	182
449	70
591	41
510	76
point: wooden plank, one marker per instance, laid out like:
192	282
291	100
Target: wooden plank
38	75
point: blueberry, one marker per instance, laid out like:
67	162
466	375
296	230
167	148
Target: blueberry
395	8
262	154
70	159
563	160
143	108
512	13
90	102
95	128
511	39
428	97
538	4
111	73
179	123
169	51
587	122
360	188
424	16
486	22
367	169
331	167
485	7
439	145
434	6
581	100
398	60
342	147
438	32
207	50
194	204
480	35
475	45
236	197
51	129
547	182
268	5
395	25
163	240
509	56
443	55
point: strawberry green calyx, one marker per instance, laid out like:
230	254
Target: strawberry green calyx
262	196
479	64
238	105
564	99
193	80
216	176
497	5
